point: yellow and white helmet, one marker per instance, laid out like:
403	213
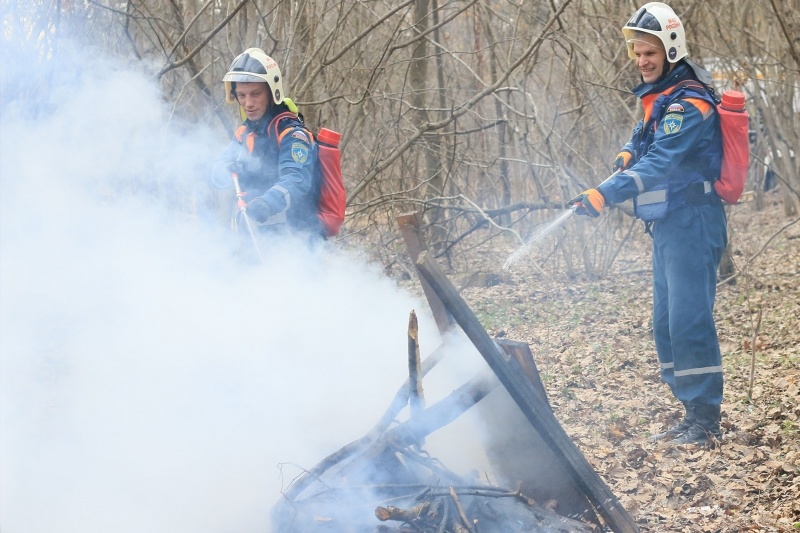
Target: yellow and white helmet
253	65
657	18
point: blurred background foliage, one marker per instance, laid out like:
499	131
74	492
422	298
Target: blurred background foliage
485	116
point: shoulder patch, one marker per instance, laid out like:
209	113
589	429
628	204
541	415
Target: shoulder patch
675	108
672	123
299	152
301	135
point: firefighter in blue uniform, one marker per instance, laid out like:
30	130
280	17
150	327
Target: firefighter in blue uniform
668	168
271	153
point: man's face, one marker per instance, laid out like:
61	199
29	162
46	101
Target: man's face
651	59
254	99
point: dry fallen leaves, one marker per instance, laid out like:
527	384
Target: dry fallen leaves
593	345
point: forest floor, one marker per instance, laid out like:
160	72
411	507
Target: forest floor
593	345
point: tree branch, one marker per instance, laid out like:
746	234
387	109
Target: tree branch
173	65
466	106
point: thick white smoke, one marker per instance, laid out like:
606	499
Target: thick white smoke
151	381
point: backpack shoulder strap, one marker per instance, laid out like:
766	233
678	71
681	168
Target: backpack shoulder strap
699	89
699	95
282	134
275	131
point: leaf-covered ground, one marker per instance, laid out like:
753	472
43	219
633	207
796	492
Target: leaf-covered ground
593	345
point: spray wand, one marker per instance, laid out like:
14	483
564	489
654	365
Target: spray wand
544	231
242	206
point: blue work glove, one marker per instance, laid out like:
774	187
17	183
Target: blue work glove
589	202
259	210
623	160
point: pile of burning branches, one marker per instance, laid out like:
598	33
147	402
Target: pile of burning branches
387	482
484	508
382	497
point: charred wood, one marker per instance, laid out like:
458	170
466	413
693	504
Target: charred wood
441	413
521	357
401	397
529	401
443	512
410	230
386	476
398	403
485	509
409	433
417	399
402	515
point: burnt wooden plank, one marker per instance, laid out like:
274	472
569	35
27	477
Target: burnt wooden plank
532	405
409	224
521	355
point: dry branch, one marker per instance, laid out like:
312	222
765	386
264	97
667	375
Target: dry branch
417	400
436	416
760	251
753	354
460	510
460	110
175	64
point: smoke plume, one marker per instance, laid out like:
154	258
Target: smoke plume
151	379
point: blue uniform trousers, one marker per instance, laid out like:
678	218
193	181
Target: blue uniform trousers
688	244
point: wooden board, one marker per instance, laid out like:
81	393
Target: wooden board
531	402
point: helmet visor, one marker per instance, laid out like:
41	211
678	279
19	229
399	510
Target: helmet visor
644	20
242	77
646	38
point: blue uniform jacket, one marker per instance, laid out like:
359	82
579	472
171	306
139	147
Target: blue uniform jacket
682	148
286	178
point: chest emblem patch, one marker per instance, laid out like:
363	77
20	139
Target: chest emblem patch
675	108
672	123
299	153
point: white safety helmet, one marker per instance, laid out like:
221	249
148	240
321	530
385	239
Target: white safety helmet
253	65
657	18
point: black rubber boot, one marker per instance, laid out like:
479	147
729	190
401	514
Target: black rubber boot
680	427
705	427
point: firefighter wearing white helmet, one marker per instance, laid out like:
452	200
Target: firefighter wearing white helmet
254	66
657	18
272	154
668	168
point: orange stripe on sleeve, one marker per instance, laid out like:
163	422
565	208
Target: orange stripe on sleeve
701	105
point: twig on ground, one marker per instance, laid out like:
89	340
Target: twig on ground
784	228
753	355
